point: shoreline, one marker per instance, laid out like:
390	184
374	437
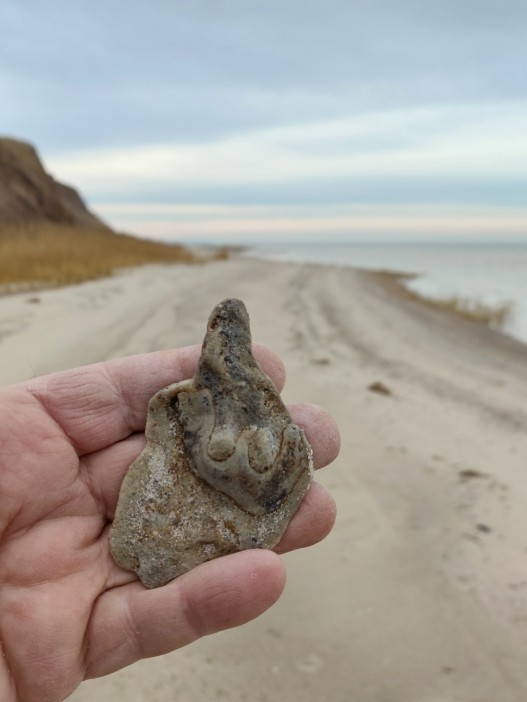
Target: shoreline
493	316
389	284
498	315
394	282
430	482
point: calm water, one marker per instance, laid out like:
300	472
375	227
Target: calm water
491	274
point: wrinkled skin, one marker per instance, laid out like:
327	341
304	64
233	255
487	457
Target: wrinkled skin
67	612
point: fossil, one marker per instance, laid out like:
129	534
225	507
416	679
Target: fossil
224	468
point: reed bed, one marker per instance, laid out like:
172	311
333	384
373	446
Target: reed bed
47	255
495	316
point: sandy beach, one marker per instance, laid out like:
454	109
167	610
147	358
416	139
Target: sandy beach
420	592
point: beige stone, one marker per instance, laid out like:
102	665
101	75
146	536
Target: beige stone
224	468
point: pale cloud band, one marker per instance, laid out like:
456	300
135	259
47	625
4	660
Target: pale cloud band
484	139
256	224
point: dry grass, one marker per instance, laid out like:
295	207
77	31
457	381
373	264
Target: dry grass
495	316
48	255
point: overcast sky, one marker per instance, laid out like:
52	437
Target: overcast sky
243	119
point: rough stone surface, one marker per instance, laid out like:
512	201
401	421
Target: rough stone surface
224	468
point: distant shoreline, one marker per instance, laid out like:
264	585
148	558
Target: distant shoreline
392	282
407	266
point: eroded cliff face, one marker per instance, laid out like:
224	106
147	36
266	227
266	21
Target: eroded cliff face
28	193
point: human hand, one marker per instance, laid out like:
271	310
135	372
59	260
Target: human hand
67	611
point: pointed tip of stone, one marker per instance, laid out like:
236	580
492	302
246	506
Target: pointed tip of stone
229	311
228	333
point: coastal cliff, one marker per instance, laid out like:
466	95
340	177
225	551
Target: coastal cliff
28	193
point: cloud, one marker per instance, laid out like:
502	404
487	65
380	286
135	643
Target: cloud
276	103
461	142
190	71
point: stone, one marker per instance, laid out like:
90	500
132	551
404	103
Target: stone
224	468
379	388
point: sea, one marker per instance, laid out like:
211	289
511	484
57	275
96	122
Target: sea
491	273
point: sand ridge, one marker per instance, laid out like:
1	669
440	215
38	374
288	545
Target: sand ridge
420	593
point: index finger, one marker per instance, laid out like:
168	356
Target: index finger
98	405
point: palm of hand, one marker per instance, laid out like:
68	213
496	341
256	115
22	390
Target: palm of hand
66	610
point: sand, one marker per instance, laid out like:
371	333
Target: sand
420	592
